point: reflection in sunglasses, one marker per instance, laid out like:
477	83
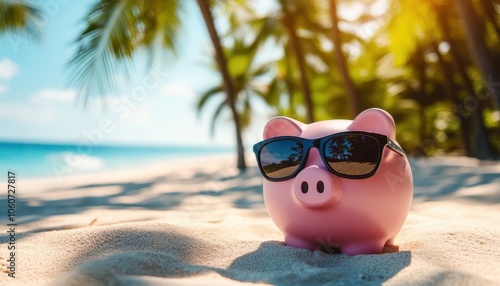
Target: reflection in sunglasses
352	155
281	158
353	168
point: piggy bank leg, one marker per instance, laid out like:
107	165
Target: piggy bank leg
363	247
299	243
390	242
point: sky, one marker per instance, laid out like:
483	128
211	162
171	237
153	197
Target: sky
37	104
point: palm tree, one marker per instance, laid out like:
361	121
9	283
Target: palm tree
283	26
246	77
226	79
480	53
284	93
118	29
20	17
476	140
289	20
427	24
341	60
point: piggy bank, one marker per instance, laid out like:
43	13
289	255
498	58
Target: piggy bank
338	183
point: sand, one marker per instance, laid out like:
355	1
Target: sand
177	224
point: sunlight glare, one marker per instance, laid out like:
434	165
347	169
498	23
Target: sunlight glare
444	48
350	11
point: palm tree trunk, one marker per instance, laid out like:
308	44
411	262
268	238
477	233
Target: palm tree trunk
341	60
226	79
480	146
480	53
301	63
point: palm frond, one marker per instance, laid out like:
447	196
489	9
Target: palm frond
109	36
266	28
116	29
20	17
216	116
237	11
207	96
262	69
246	113
161	29
272	94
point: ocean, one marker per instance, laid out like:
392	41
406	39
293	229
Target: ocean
31	160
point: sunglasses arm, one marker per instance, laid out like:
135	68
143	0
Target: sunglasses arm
395	147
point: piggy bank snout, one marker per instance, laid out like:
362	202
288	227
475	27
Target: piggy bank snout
313	187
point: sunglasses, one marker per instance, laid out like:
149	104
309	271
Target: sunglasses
352	155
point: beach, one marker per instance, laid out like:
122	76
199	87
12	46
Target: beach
200	222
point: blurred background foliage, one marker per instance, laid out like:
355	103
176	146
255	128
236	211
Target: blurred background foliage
415	59
433	64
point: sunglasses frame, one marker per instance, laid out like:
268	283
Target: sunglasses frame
319	144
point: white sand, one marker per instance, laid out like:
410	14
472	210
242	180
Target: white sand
185	225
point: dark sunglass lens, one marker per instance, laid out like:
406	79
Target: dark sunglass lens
352	155
280	159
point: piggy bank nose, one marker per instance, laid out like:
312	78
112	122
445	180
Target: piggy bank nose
313	187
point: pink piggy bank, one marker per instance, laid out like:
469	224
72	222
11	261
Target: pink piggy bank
336	183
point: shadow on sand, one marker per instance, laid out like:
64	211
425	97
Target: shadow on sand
183	256
245	190
277	264
435	181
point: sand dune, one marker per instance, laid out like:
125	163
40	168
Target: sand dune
182	225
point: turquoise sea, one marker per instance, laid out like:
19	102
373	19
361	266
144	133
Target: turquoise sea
37	160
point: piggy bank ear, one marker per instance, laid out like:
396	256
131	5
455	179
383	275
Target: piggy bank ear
283	126
375	120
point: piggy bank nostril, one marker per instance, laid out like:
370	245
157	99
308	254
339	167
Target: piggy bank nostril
320	187
304	187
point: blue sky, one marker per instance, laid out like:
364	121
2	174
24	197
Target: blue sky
38	105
